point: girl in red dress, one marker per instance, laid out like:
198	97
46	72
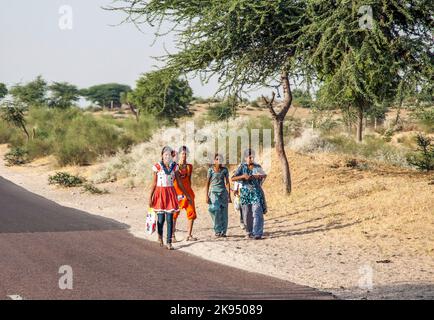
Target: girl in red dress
163	198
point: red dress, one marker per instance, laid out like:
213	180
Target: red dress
165	197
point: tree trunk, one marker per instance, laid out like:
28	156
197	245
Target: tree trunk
375	123
398	113
136	114
360	125
280	150
280	146
278	119
26	132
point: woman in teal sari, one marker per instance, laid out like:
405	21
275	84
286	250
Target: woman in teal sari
218	195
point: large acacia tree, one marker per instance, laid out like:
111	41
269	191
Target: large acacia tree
33	93
63	95
245	43
368	54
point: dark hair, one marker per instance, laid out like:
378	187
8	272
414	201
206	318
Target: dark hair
167	148
219	155
249	152
183	149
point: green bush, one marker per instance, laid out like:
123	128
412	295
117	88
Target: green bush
65	179
255	104
17	156
302	98
39	148
77	137
388	134
90	188
328	125
7	132
423	158
222	111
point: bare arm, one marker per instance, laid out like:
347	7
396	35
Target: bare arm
228	186
153	185
181	186
242	177
207	189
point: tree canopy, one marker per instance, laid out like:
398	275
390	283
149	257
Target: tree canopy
367	59
13	114
246	43
105	94
162	94
63	95
31	94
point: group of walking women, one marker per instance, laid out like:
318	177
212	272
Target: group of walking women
171	192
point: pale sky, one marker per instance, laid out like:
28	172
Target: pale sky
92	52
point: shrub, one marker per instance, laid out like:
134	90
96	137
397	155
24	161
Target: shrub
90	188
423	158
302	98
222	111
255	104
387	135
65	179
328	125
8	132
39	148
77	137
17	156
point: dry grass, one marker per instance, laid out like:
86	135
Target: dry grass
391	206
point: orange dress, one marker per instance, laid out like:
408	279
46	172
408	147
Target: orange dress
185	175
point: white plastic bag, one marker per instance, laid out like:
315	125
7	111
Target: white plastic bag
237	204
151	221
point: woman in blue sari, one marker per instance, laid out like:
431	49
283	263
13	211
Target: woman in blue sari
252	196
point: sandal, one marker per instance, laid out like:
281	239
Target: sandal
174	239
160	240
169	247
191	238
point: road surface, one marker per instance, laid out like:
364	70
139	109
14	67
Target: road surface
102	260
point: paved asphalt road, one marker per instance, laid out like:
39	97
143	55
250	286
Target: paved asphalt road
38	236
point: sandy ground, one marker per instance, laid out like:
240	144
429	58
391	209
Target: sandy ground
360	234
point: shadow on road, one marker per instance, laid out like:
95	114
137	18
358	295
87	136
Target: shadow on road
24	212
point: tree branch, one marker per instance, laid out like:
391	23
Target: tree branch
269	105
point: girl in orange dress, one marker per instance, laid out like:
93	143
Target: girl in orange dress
185	171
